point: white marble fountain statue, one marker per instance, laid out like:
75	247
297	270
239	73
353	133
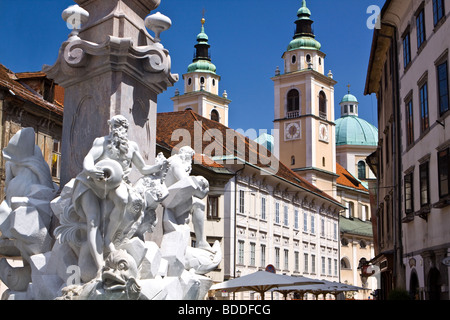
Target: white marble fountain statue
99	249
104	245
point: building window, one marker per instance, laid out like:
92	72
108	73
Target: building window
213	207
323	266
56	159
424	184
306	263
286	216
241	201
409	193
424	115
420	24
361	170
444	170
286	259
322	227
406	49
409	123
252	254
277	258
335	232
215	115
296	261
313	228
351	210
292	160
294	59
322	105
305	221
345	264
263	255
295	219
438	11
313	263
335	267
329	267
293	102
277	213
443	87
263	208
241	252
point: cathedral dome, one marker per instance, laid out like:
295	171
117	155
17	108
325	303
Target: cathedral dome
351	130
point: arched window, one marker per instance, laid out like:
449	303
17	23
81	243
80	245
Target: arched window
293	103
322	105
345	264
361	170
215	115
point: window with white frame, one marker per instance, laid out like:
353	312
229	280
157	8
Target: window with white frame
263	255
252	254
313	227
286	215
263	208
277	258
305	221
241	252
241	201
306	263
296	219
277	212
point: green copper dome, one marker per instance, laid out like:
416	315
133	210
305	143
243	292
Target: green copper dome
304	43
351	130
202	66
349	98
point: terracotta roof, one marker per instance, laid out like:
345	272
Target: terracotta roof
346	179
186	121
10	81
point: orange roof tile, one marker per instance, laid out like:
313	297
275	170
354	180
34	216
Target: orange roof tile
8	79
346	179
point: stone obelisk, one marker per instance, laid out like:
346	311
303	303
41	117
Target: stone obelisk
109	65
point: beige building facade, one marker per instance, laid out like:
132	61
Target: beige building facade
417	59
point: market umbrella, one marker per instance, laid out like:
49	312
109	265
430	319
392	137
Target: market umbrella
326	287
261	282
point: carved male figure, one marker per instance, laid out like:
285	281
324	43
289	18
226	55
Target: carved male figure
101	190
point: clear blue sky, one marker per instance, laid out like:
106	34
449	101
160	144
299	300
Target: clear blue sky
247	38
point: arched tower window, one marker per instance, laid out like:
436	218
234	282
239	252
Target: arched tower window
361	170
293	103
322	105
215	115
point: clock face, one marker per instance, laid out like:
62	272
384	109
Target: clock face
292	131
323	132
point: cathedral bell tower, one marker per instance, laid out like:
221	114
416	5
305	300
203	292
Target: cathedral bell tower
201	85
304	108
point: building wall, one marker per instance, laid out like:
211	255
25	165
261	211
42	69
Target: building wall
300	243
426	229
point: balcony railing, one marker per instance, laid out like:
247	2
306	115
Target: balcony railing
293	114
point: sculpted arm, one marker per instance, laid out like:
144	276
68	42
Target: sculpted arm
138	161
93	154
